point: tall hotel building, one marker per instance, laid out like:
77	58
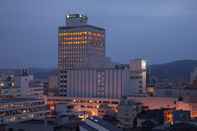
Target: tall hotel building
79	46
83	68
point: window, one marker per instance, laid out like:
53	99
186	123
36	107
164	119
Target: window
10	129
140	91
21	130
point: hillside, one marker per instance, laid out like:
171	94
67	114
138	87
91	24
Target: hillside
177	70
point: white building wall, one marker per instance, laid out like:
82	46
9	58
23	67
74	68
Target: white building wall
36	89
23	82
137	78
104	83
108	82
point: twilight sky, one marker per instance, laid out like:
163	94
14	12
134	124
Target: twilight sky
157	30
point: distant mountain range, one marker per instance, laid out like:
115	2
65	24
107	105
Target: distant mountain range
174	71
39	73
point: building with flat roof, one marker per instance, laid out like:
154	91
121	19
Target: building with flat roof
52	89
40	125
21	109
21	85
23	82
112	83
97	83
85	71
127	112
36	89
97	124
79	45
8	86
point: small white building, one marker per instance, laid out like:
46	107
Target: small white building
137	78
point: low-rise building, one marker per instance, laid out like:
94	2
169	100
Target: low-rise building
157	117
39	125
23	82
97	124
85	106
21	85
36	89
112	82
92	105
193	77
127	112
21	109
15	85
8	86
52	89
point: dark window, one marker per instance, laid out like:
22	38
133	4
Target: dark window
21	130
10	129
140	91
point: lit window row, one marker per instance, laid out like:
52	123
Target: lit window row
74	38
72	33
81	34
75	42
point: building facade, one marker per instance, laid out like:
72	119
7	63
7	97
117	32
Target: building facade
127	112
21	85
36	89
85	71
52	89
23	82
137	78
100	83
21	109
193	78
97	124
79	45
110	83
8	86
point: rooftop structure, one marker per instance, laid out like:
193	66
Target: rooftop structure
76	19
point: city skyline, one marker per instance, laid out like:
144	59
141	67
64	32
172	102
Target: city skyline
33	27
98	65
